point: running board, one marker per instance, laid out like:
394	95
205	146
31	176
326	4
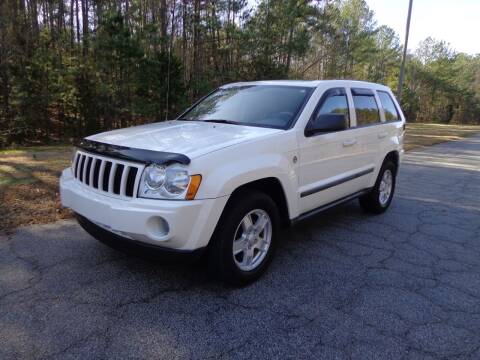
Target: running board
322	208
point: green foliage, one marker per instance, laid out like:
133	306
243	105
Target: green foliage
158	87
443	84
69	72
277	35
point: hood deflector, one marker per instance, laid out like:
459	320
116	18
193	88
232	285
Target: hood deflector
132	154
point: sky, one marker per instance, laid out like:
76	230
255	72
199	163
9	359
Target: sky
455	21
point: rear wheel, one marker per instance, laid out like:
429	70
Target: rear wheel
245	238
379	198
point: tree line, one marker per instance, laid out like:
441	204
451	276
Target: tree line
69	68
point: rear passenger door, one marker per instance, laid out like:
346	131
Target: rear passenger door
367	131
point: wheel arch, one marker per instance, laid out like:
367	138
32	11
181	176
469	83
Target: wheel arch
271	186
394	157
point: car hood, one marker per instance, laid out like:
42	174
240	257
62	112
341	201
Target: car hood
191	138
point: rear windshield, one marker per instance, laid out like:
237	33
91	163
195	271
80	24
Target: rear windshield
272	106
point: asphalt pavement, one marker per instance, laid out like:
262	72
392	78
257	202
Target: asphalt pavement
405	284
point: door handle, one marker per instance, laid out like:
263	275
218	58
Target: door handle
382	135
349	142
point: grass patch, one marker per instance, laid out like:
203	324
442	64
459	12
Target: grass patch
29	176
428	134
13	181
35	149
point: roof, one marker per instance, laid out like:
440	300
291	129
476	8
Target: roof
310	83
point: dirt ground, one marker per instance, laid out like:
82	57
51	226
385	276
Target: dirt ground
29	176
29	186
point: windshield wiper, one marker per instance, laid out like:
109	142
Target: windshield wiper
222	121
218	121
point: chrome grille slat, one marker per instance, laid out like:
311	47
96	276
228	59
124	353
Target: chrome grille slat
123	182
89	170
92	171
111	177
100	175
137	182
96	172
80	161
84	169
81	167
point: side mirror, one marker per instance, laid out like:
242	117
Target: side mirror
327	123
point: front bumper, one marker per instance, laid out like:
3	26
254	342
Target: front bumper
173	224
138	248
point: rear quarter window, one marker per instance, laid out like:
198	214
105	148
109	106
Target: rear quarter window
389	108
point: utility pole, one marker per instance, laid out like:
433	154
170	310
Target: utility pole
402	68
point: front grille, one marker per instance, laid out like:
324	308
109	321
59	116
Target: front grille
114	177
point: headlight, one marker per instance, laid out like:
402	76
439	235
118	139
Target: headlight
154	177
176	181
168	182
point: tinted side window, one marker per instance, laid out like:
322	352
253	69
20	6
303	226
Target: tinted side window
391	113
334	102
365	107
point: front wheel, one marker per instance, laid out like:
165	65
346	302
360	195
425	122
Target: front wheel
379	198
245	238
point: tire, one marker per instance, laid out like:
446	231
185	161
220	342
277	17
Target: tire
376	201
233	227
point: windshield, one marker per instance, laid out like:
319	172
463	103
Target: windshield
273	106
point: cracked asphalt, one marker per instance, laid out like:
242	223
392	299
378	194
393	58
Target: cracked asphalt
405	284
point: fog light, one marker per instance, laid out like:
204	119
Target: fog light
157	227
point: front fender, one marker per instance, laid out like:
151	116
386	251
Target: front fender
226	171
230	176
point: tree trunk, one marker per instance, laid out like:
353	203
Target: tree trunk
77	20
163	24
85	26
290	47
72	30
196	47
184	42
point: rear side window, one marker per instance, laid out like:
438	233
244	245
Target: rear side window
335	102
366	107
389	108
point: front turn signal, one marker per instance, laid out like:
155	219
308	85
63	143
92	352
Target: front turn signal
195	181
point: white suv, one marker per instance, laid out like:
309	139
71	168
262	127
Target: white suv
236	166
